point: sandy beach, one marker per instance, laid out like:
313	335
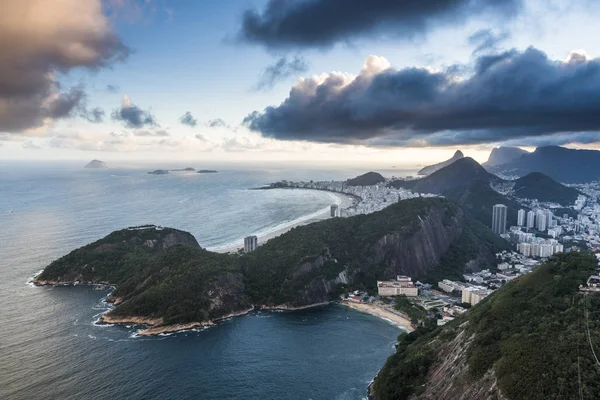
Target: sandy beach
380	312
343	201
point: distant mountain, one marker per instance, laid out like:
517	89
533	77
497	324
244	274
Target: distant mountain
559	163
459	173
432	168
535	338
96	164
503	155
539	186
368	179
477	198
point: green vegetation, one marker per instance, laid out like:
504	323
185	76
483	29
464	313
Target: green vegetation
282	270
164	272
476	242
539	186
532	335
414	311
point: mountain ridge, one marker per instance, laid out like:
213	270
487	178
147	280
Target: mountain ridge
432	168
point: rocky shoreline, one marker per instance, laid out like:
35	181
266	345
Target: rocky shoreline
154	326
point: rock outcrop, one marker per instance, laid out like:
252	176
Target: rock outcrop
96	164
432	168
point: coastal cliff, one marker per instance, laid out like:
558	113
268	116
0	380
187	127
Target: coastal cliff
165	280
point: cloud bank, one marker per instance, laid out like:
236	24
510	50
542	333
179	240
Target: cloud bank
39	39
508	96
323	23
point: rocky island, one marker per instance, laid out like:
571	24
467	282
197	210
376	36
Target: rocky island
165	280
96	164
188	169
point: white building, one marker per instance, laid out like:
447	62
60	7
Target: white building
474	295
403	285
250	243
521	218
540	222
525	249
530	219
448	286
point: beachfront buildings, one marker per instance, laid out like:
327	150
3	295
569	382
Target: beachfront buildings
402	285
334	211
250	243
499	219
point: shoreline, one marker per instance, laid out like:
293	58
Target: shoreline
372	309
343	201
153	326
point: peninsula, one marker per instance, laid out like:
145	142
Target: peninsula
166	281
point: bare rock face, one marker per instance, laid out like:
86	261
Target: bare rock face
96	164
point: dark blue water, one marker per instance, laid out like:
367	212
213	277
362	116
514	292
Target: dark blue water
50	347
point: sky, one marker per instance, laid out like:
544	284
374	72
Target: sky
379	82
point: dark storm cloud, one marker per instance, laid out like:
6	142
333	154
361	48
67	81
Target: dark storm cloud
322	23
188	119
508	96
65	104
46	38
133	117
280	70
487	40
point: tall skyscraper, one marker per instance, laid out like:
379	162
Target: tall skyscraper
540	223
499	219
250	243
530	219
521	217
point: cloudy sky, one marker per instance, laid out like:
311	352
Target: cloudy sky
385	82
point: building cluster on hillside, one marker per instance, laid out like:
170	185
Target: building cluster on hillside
371	198
402	285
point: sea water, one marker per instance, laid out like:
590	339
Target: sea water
50	347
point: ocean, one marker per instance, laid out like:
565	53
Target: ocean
51	348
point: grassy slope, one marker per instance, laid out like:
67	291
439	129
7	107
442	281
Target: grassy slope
530	333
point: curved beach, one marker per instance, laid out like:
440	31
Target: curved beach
342	200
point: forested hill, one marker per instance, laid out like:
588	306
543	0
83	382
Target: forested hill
539	186
163	273
534	338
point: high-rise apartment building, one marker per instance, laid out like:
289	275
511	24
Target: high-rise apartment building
499	219
521	218
530	219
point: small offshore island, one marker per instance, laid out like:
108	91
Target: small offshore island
187	169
